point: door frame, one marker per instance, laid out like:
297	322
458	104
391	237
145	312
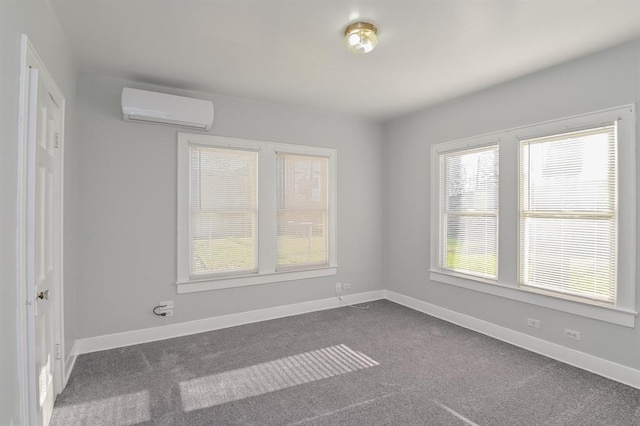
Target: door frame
26	361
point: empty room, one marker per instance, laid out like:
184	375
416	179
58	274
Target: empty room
330	212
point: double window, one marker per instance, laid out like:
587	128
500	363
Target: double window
253	212
550	218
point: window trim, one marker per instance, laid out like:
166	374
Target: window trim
267	224
506	286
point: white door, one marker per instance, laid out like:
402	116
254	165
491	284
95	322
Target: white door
43	241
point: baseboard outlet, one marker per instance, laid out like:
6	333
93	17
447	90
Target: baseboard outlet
600	366
118	340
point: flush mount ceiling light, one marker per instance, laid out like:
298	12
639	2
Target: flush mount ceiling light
361	37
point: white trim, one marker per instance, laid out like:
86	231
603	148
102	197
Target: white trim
29	58
70	362
22	235
611	314
246	280
128	338
614	371
60	381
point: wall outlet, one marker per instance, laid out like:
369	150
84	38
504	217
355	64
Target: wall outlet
571	334
338	288
535	323
168	303
168	309
346	286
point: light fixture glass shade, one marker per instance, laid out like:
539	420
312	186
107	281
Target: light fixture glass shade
361	37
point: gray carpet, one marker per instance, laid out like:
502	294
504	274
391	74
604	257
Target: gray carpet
388	365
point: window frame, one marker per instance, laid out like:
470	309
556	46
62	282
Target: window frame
298	267
523	214
623	312
231	273
266	223
444	211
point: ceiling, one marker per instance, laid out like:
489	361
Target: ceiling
292	51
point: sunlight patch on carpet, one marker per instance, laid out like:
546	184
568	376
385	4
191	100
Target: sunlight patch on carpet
271	376
128	409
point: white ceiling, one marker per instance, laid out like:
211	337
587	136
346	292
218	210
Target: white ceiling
292	51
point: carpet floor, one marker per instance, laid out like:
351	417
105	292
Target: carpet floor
387	365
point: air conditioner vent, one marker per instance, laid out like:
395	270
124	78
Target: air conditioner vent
144	106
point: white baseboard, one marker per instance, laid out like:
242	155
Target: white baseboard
70	363
128	338
600	366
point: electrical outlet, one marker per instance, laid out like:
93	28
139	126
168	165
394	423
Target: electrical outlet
571	334
167	308
338	288
346	286
531	322
168	305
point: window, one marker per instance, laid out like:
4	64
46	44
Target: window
568	213
253	212
469	211
224	211
303	211
565	232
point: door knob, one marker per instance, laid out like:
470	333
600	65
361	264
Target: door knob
43	295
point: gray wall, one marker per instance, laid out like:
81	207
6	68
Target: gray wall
127	208
608	79
34	18
120	196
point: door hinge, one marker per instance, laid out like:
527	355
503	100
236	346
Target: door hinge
56	143
57	351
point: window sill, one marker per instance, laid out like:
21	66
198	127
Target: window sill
192	286
614	315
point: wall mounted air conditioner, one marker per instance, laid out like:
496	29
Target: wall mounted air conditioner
160	108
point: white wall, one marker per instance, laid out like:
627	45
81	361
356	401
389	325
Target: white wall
34	18
608	79
127	208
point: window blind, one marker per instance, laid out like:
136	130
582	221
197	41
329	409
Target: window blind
568	213
223	203
302	211
469	211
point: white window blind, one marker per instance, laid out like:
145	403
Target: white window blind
223	203
302	211
568	213
469	211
